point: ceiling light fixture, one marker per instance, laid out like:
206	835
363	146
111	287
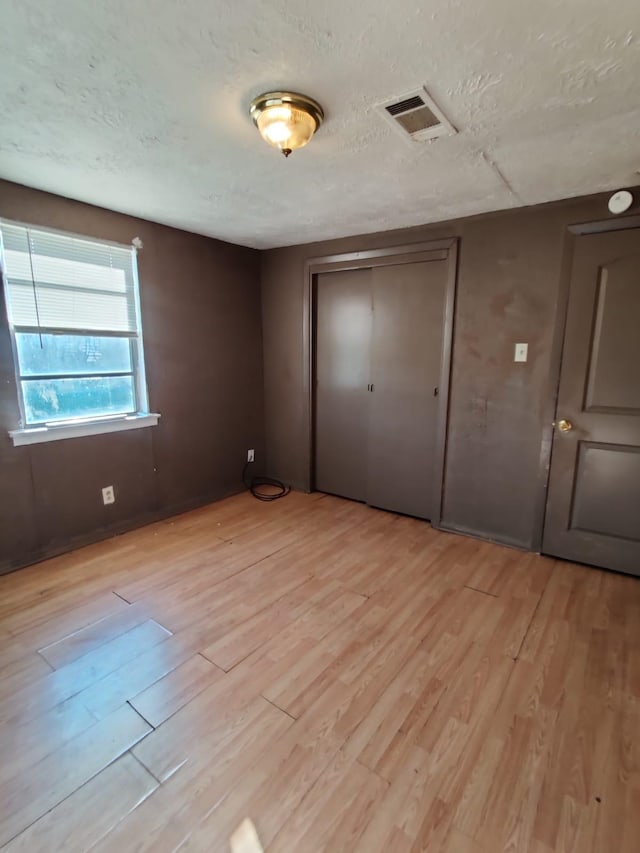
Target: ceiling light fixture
286	120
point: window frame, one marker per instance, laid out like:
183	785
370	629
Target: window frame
42	431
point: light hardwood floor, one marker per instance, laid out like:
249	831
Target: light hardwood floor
348	679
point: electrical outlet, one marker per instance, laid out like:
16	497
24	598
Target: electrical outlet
108	495
250	455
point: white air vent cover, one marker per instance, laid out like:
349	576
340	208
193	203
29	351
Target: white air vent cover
416	116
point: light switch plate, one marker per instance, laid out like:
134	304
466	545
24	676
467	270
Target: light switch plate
521	352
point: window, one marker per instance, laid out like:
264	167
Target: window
73	311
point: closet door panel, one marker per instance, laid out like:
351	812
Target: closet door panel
343	340
406	352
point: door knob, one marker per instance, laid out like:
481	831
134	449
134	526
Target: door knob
563	425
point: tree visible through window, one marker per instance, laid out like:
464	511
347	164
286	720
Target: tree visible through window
72	305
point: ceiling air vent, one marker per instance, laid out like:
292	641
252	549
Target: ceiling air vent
417	117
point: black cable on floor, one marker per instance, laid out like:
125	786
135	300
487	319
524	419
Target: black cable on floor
254	483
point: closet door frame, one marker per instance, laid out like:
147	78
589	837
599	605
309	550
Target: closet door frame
434	250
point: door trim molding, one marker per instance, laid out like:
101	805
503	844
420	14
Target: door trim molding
572	234
434	250
602	225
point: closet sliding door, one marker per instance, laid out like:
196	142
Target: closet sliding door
343	342
378	361
406	353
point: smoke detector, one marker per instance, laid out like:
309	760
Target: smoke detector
620	202
416	116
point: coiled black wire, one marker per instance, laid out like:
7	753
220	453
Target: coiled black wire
253	484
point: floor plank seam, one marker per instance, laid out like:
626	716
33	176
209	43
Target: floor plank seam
250	530
355	592
531	621
279	708
121	597
382	778
278	551
432	712
135	710
226	671
68	796
41	656
481	591
145	768
153	591
105	834
160	782
251	565
305	579
212	662
150	771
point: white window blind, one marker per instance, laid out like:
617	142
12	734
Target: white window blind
72	305
59	282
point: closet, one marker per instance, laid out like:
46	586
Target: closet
379	335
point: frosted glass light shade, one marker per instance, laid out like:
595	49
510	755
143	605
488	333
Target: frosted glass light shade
286	120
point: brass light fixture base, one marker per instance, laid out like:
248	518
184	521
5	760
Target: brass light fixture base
286	120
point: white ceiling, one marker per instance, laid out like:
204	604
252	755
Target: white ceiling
141	106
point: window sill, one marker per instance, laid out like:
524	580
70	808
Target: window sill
37	435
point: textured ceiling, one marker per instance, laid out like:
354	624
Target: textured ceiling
141	106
